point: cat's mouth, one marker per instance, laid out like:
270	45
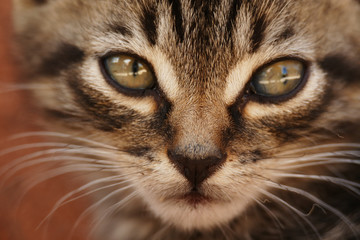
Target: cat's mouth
195	197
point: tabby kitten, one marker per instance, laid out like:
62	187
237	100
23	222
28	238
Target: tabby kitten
221	119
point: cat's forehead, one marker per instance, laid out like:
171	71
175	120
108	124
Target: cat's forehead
208	31
196	42
202	40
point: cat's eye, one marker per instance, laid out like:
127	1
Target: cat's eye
278	79
129	72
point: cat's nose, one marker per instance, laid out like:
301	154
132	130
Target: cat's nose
196	169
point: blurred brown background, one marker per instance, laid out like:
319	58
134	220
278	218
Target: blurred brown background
19	219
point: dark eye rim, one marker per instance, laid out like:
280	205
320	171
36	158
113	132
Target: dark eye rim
252	96
124	90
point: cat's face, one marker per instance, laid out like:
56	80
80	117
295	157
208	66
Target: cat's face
206	136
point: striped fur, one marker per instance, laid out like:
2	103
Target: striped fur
204	54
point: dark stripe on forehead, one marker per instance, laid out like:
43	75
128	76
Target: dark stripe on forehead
258	27
206	7
149	23
340	67
121	29
196	4
287	33
233	11
176	12
40	2
65	56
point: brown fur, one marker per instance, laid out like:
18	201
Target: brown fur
203	54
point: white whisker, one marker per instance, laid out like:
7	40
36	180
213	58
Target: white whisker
295	210
98	203
79	150
61	135
318	147
318	162
5	88
36	145
335	180
271	214
318	201
323	156
53	159
158	235
49	174
108	211
65	199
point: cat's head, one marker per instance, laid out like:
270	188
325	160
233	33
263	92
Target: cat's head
200	100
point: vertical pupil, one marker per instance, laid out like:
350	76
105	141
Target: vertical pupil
284	71
135	68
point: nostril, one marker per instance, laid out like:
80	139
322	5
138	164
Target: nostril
196	170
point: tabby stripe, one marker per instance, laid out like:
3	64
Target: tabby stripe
100	108
121	29
178	19
148	21
231	22
339	67
65	56
286	34
196	4
138	151
40	2
206	8
258	26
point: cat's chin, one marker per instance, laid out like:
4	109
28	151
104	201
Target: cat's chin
195	211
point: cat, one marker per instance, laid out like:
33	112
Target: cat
221	119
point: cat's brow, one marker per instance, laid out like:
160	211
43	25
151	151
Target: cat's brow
120	29
259	20
257	36
176	12
234	9
148	22
287	33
